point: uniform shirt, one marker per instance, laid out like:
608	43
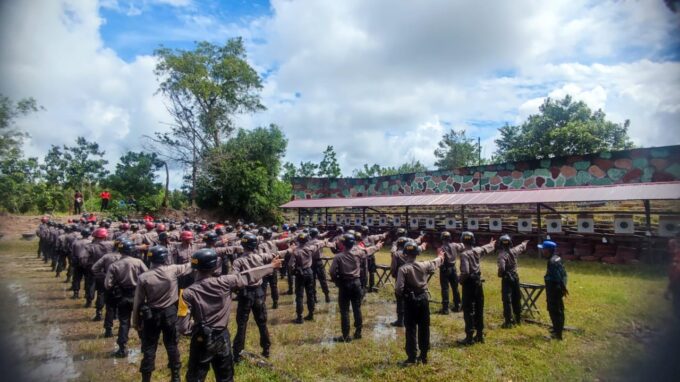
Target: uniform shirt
136	238
250	260
302	255
102	265
181	253
397	261
371	240
451	251
209	298
469	260
125	273
70	239
79	250
556	272
150	238
507	259
97	249
347	264
158	287
413	275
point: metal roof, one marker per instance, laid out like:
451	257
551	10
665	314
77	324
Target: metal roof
619	192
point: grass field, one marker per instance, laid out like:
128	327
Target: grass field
618	311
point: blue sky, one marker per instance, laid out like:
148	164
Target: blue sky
360	75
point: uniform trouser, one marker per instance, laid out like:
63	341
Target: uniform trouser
76	209
78	273
289	275
41	245
350	292
222	362
100	301
400	308
111	313
320	274
271	281
553	292
61	262
90	285
512	305
675	291
448	278
304	284
163	321
251	299
417	321
371	271
124	314
105	205
473	306
363	275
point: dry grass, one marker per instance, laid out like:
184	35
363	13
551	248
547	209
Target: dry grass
611	305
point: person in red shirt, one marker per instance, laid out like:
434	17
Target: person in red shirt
105	196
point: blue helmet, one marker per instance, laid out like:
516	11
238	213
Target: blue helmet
548	245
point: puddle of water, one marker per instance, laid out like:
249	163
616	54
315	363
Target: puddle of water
383	330
44	357
328	327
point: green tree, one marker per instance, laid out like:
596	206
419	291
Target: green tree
135	175
456	150
206	88
241	176
10	137
307	169
562	127
84	165
289	172
329	167
376	170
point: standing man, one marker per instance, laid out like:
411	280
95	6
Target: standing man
121	280
209	302
473	290
156	300
105	197
369	241
448	275
251	298
555	287
181	254
79	251
345	272
317	266
397	260
99	247
77	203
301	265
272	246
507	271
412	286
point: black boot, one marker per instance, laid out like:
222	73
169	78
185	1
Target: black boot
469	340
309	317
88	303
507	325
456	308
146	376
265	352
108	333
408	362
275	304
423	358
121	352
398	323
174	377
357	334
97	316
328	298
479	338
75	296
444	310
298	320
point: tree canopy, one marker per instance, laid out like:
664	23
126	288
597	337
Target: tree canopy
562	127
377	170
135	175
456	150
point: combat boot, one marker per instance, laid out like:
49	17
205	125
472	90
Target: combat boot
328	298
275	304
456	308
423	358
469	340
507	325
265	352
97	316
309	317
408	362
121	352
298	320
108	333
397	323
479	338
357	334
146	376
75	296
174	377
444	310
88	303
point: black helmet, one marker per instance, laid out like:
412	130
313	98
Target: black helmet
229	228
505	240
260	231
446	235
302	237
85	233
313	233
467	237
172	227
348	240
401	232
252	225
211	237
219	231
204	259
274	228
411	248
107	224
134	227
293	227
340	229
163	237
157	254
127	247
364	229
267	234
249	241
240	234
401	241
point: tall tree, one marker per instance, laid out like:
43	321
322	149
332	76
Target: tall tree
84	164
377	170
562	127
456	150
329	167
307	169
10	137
206	88
135	175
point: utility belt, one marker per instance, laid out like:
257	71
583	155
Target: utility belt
510	276
303	272
211	340
415	296
251	292
348	281
119	292
474	278
448	266
147	313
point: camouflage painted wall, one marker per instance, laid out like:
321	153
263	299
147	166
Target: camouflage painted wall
657	164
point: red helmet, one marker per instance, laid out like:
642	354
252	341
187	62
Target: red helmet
160	228
125	226
149	225
44	219
100	233
186	236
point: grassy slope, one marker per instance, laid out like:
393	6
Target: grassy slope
611	304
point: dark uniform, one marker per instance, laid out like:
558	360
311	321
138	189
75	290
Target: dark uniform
122	279
209	303
271	281
412	286
448	275
99	270
345	272
95	251
473	291
301	265
371	268
397	260
555	289
507	271
157	295
79	251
